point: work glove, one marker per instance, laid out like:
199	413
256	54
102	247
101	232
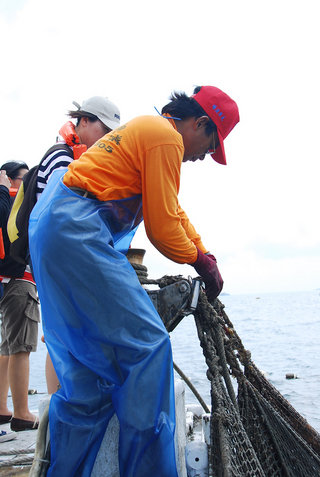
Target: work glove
206	267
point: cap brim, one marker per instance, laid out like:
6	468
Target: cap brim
109	123
219	155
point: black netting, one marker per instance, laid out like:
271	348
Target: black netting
261	432
254	430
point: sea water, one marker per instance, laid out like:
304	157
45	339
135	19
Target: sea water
282	331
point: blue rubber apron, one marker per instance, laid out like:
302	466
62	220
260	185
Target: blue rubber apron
108	345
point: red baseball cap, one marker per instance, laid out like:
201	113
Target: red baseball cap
224	113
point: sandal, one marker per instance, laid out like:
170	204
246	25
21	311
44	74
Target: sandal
4	419
23	425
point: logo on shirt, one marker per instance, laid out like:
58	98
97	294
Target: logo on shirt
115	138
102	145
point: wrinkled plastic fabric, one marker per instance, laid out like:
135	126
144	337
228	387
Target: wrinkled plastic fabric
108	345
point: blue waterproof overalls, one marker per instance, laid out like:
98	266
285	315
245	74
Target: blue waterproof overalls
108	345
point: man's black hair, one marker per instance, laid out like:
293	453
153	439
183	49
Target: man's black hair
184	107
82	114
12	168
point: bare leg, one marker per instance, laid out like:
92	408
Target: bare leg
18	371
51	377
4	387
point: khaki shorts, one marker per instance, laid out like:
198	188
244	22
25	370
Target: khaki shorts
20	316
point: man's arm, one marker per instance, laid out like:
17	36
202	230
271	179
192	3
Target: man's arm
190	230
160	188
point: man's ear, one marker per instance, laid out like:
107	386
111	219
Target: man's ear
201	122
83	121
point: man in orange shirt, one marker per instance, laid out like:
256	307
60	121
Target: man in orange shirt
109	347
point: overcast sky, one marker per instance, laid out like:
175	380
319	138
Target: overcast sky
259	214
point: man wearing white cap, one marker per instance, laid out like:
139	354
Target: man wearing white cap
96	117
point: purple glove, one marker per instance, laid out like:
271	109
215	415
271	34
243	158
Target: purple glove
211	256
206	266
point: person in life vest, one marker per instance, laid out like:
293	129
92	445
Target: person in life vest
109	346
93	119
20	316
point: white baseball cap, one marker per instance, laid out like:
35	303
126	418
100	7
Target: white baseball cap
103	108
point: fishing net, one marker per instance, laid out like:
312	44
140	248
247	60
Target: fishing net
254	430
257	433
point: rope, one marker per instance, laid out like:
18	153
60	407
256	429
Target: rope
17	452
15	462
191	386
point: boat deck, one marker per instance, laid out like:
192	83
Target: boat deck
16	456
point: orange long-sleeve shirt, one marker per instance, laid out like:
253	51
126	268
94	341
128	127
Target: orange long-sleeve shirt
144	157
